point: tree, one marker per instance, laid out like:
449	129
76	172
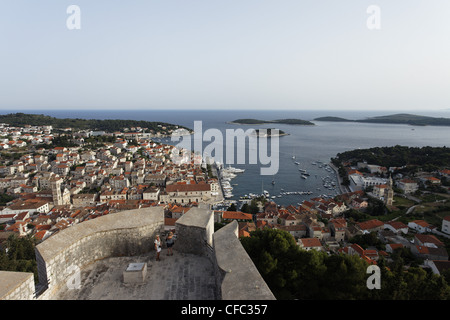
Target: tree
18	254
294	273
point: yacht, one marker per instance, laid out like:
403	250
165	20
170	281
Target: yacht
231	169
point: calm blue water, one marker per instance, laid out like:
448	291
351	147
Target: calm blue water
308	143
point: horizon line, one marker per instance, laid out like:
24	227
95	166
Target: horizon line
16	110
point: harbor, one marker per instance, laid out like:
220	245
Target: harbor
314	179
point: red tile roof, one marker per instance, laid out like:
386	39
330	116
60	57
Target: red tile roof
310	242
236	215
371	224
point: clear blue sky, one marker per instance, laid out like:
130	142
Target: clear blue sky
216	54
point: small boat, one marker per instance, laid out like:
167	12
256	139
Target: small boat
304	177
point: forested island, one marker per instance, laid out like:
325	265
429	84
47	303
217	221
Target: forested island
400	118
426	158
22	119
279	121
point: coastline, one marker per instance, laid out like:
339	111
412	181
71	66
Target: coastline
342	188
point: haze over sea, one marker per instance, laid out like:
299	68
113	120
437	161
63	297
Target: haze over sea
307	143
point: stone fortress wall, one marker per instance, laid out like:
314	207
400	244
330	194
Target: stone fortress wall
130	233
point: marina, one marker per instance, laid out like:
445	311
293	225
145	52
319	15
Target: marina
225	175
323	184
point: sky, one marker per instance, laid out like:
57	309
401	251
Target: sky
217	54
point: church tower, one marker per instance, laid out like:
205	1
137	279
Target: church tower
59	197
56	190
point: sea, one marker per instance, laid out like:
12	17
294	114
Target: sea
304	147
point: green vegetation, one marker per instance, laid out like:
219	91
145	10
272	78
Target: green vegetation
5	198
281	121
401	118
17	254
22	119
293	273
368	240
413	158
252	208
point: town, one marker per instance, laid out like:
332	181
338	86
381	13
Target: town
52	179
49	187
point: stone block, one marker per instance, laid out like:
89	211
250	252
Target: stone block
135	273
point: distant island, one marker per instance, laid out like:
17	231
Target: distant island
269	133
400	118
23	119
280	121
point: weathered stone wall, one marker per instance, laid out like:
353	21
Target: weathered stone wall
124	233
236	274
16	285
194	232
132	233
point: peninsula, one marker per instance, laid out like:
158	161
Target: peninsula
23	119
400	118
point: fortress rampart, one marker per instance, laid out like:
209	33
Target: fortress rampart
130	233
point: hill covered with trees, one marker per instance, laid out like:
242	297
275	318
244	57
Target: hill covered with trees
22	119
428	158
400	118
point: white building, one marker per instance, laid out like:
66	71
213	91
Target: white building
151	194
358	182
396	226
408	186
446	225
420	226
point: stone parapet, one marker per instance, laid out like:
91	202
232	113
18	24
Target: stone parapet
237	276
125	233
16	285
194	232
